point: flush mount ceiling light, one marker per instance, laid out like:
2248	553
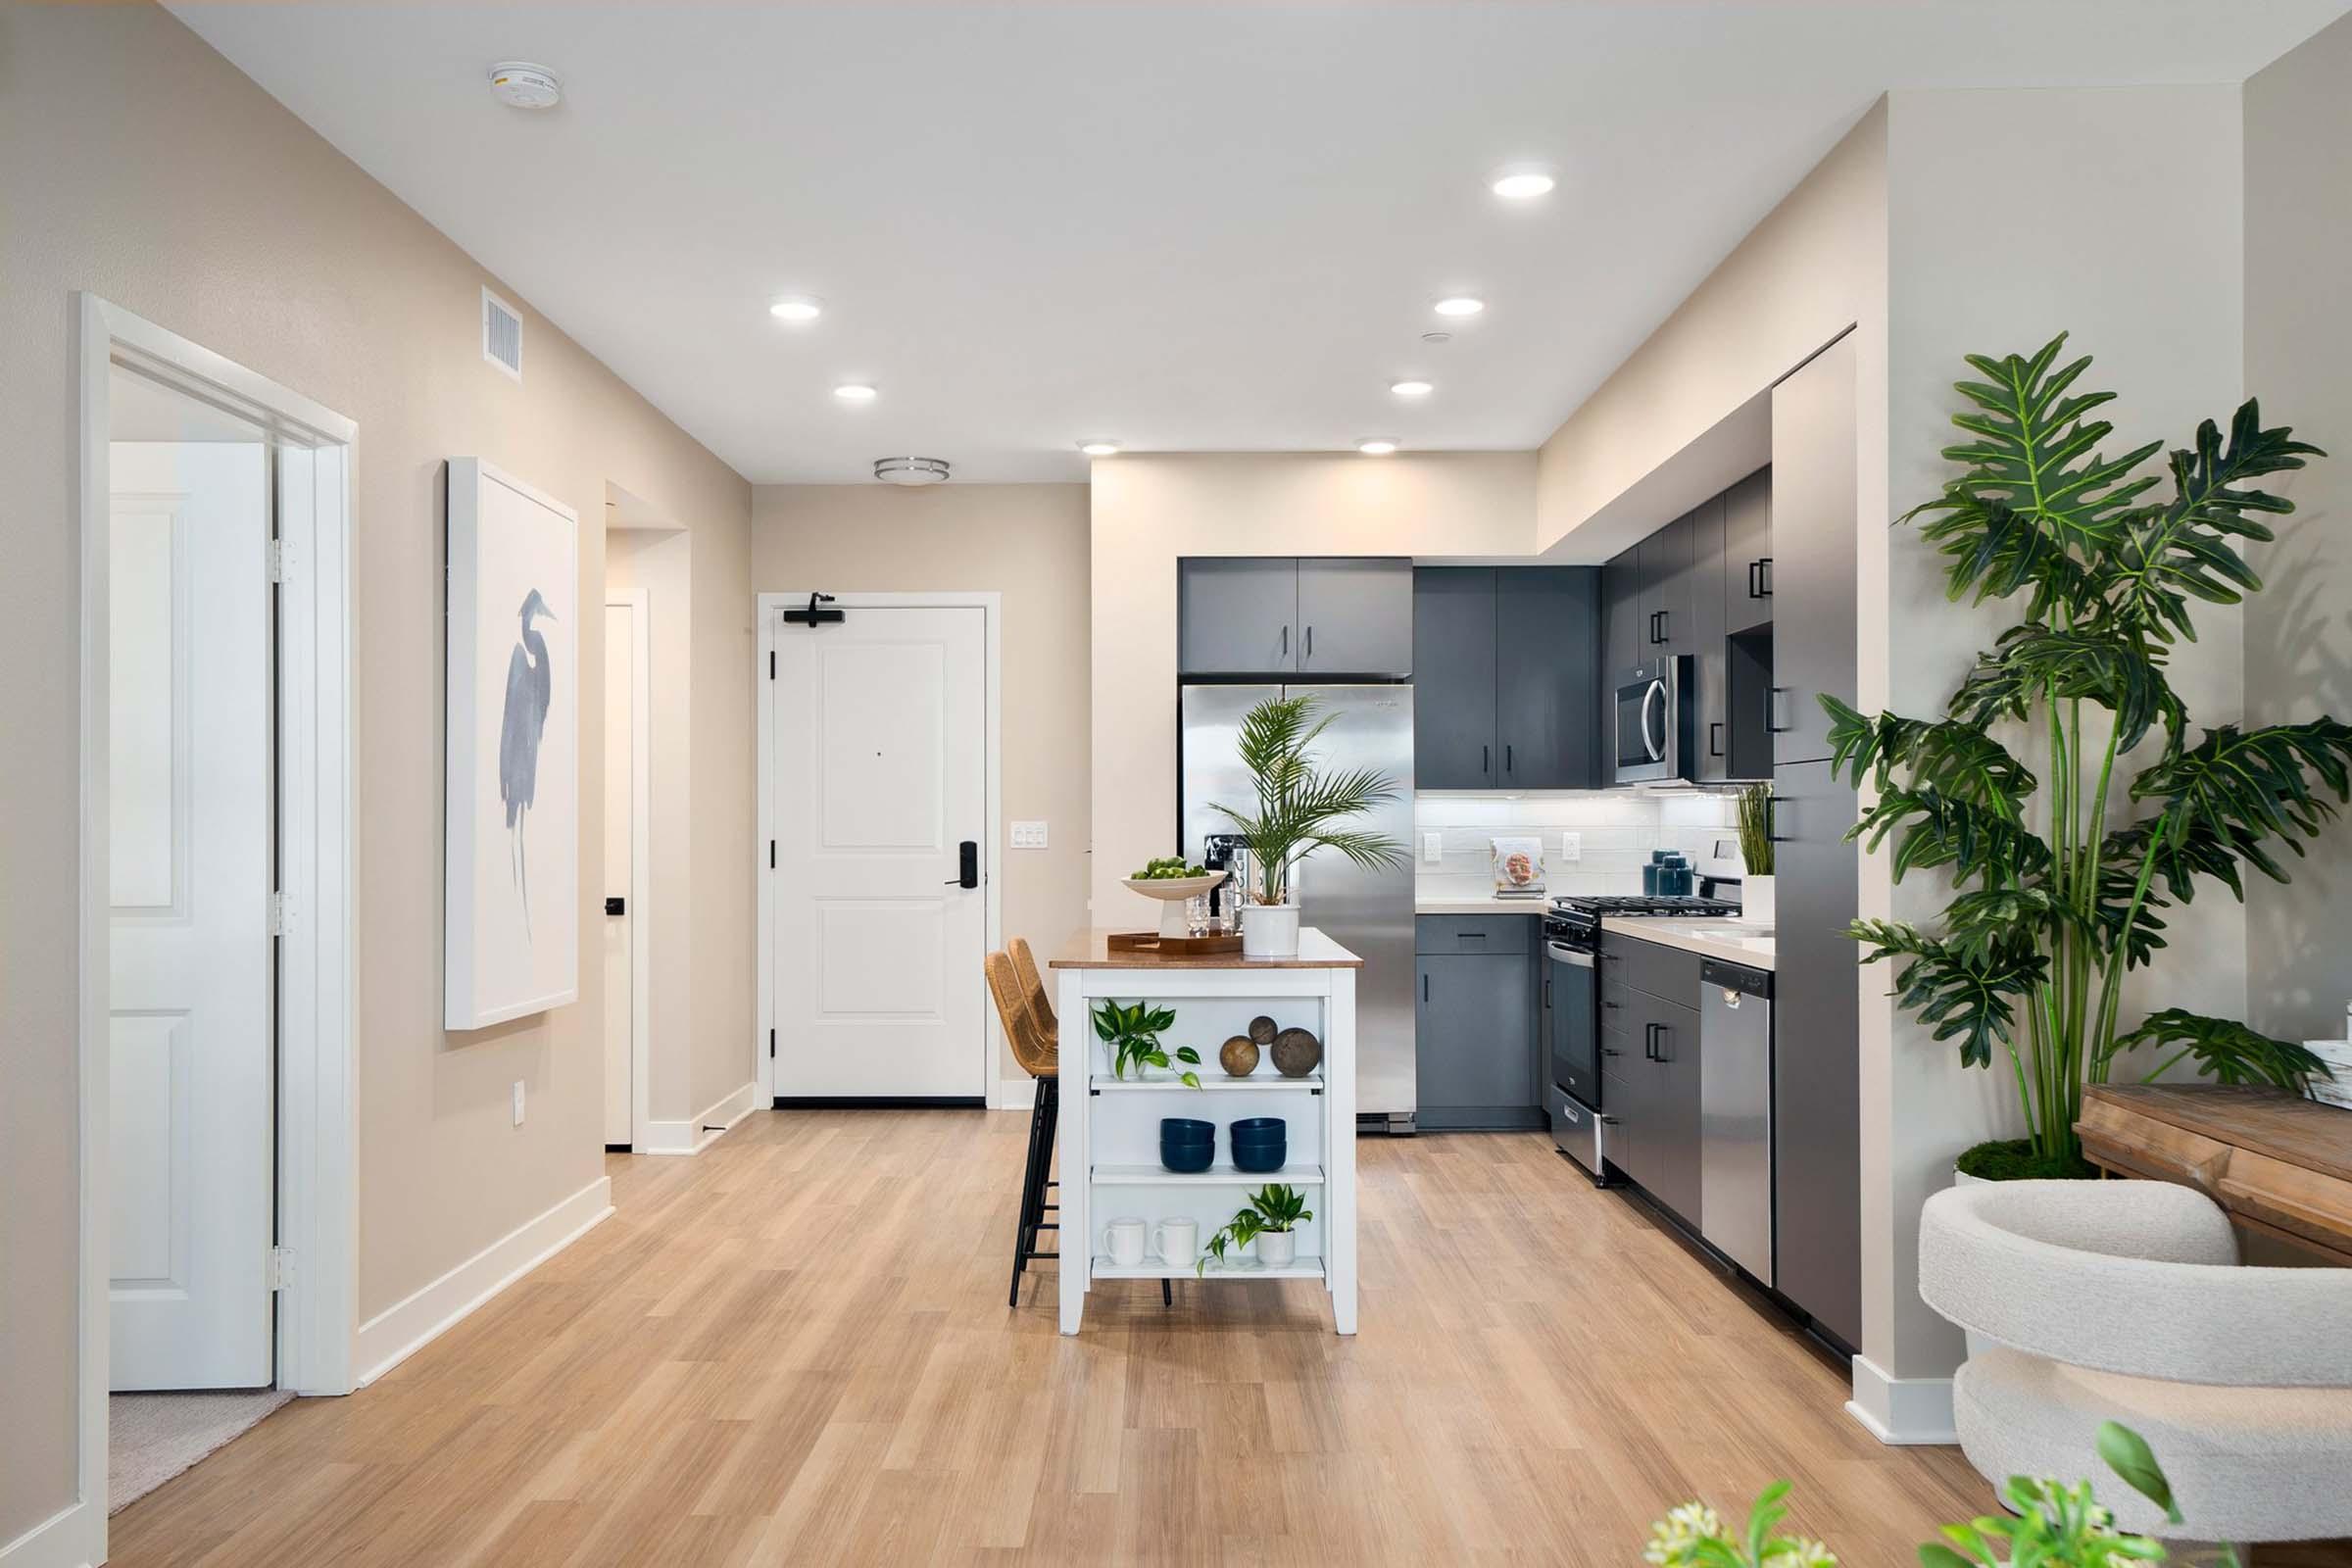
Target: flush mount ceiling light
523	85
911	471
1099	448
1412	389
1459	304
796	307
855	392
1377	447
1522	184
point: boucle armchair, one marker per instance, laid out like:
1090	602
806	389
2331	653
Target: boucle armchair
2125	1300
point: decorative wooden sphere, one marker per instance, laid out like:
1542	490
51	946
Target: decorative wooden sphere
1297	1051
1240	1056
1261	1029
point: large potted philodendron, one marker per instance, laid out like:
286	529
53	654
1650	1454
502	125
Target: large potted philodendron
1301	808
2057	884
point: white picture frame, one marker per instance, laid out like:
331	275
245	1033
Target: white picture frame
511	788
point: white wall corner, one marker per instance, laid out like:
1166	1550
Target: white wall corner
60	1540
1014	1091
1902	1412
697	1133
407	1326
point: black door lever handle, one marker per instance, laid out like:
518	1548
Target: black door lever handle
968	866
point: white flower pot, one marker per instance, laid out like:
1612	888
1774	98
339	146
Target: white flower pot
1755	898
1278	1249
1977	1344
1269	930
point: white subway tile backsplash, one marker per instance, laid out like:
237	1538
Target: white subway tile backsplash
1619	829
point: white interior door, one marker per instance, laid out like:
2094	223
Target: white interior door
880	775
192	1027
621	644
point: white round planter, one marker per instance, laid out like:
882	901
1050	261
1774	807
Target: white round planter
1269	930
1755	898
1278	1249
1977	1344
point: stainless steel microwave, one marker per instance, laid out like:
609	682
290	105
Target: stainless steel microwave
1656	714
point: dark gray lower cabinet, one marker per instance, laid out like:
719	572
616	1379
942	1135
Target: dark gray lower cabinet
1475	1023
1651	1090
1817	1050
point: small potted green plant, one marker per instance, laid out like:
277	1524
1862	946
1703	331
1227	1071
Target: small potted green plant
1133	1034
1755	852
1271	1219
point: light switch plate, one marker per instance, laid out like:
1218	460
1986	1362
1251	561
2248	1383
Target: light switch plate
1432	848
1029	835
517	1101
1572	846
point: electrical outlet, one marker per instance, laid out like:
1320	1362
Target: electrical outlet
1029	835
1432	848
517	1101
1572	846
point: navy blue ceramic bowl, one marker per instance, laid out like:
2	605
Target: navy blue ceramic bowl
1259	1144
1257	1127
1187	1159
1185	1130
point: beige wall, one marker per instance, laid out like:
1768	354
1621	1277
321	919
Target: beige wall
169	183
1150	510
2298	232
1025	541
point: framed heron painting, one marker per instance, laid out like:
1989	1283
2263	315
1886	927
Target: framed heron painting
510	795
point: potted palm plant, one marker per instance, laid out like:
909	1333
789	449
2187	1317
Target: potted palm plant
1301	808
2057	884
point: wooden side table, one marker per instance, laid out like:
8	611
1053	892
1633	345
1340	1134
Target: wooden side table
2277	1163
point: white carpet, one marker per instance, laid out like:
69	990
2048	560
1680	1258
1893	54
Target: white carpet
152	1436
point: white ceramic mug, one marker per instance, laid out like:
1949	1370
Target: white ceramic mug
1176	1242
1123	1241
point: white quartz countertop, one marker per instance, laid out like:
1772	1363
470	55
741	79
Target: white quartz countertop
1444	903
1734	941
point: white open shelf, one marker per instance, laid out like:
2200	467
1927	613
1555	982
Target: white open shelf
1303	1268
1212	1082
1220	1174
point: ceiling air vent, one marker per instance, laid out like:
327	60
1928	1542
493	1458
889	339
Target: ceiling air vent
502	334
911	471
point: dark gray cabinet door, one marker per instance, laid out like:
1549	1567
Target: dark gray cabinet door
1237	614
1748	552
1666	591
1621	1100
1813	522
1672	1107
1475	1039
1355	615
1817	1090
1623	633
1712	730
1547	641
1454	678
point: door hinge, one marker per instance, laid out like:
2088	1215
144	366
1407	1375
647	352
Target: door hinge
771	1045
280	916
282	1268
277	561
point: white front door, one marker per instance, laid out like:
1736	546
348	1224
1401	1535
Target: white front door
880	772
192	1027
620	1011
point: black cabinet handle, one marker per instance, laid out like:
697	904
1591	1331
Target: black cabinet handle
1655	636
1665	625
1764	575
1772	708
1772	821
1664	1033
1285	642
1650	1041
1425	985
1308	647
1507	765
1612	1005
1485	759
616	905
1714	737
1751	581
968	866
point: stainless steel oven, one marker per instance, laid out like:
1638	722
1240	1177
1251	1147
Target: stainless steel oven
1652	725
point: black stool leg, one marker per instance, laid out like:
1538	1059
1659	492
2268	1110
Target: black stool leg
1032	1174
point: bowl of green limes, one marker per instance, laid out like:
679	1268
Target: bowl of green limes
1174	879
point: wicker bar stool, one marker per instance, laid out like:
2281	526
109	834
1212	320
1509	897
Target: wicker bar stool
1041	1002
1039	1057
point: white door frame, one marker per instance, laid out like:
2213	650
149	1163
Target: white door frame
641	853
769	607
316	1137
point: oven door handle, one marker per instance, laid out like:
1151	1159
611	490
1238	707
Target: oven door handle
1581	961
1653	701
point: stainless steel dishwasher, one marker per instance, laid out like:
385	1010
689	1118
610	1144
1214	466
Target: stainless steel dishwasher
1735	1113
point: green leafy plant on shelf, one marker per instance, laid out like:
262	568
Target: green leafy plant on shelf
2047	915
1277	1207
2054	1526
1299	806
1133	1034
1755	829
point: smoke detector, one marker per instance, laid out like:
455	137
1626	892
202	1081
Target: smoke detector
523	85
911	471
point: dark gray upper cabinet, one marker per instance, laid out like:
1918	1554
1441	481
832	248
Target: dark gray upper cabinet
1624	636
1503	678
1813	522
1547	626
1748	552
1713	730
1666	591
1454	613
1355	615
1237	614
1273	615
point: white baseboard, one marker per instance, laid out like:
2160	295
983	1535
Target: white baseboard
1902	1412
60	1540
1015	1094
400	1331
693	1136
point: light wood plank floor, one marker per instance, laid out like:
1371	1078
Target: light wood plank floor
794	1350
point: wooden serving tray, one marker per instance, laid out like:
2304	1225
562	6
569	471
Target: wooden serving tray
1171	947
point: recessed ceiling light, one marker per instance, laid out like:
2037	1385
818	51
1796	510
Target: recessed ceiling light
1099	449
1459	304
1379	447
1411	389
796	307
1522	184
855	392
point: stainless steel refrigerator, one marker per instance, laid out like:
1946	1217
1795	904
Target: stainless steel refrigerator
1369	912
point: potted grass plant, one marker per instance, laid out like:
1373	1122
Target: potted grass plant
1756	899
2058	884
1301	808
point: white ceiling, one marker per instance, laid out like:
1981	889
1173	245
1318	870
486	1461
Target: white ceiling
1187	226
